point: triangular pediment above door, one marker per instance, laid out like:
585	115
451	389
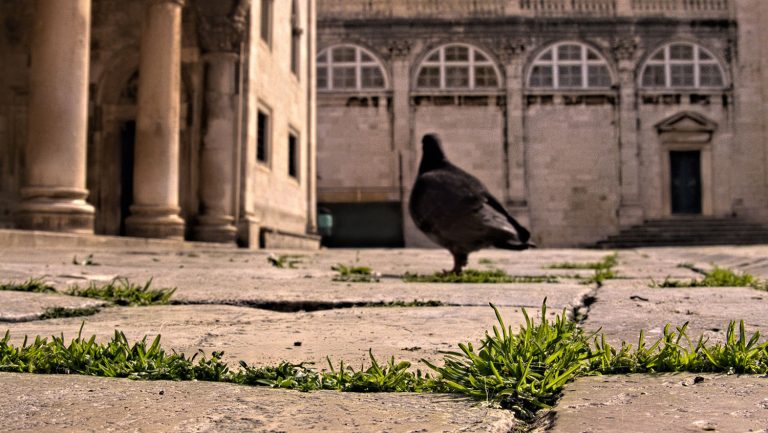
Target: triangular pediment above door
687	121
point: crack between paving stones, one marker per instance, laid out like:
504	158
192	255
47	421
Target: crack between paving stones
312	306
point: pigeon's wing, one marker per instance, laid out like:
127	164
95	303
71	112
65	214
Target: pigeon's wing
453	208
522	234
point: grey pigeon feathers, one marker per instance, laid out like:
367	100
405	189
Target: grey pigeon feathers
455	210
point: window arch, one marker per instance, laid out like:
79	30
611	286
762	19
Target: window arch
457	66
570	65
682	65
349	67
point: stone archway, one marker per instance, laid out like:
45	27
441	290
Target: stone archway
112	143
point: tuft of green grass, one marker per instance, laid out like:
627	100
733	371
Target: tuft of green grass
717	277
600	276
290	261
485	262
355	274
121	291
524	371
62	312
404	304
36	285
476	276
608	262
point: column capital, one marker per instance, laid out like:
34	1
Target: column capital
223	32
399	48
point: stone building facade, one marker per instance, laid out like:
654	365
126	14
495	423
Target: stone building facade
181	119
583	116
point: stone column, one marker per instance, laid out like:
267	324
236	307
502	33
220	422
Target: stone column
54	192
631	210
514	62
221	37
155	208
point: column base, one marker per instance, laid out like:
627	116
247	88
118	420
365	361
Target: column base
56	210
249	232
155	222
219	229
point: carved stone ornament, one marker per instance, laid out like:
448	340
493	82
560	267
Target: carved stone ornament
624	49
223	32
399	48
509	49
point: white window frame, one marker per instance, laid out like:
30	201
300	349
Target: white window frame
696	62
555	64
472	63
358	64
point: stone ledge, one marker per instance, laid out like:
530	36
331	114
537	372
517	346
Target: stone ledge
10	238
277	239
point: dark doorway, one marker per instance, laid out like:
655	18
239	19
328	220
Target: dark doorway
685	175
127	146
365	225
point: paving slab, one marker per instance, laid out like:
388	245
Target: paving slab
623	308
23	306
36	403
663	403
748	258
247	278
265	337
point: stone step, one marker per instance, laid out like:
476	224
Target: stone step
692	231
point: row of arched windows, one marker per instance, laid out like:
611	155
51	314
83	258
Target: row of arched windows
563	65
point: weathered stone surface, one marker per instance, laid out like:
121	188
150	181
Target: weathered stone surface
266	338
33	403
624	308
662	403
22	306
243	276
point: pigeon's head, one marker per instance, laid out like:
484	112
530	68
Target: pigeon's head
432	153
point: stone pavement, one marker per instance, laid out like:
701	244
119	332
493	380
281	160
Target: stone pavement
235	301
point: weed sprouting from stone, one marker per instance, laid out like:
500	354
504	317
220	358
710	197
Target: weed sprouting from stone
480	277
523	371
355	274
717	277
290	261
35	285
121	291
62	312
608	262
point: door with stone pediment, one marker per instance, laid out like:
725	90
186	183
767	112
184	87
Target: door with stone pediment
686	156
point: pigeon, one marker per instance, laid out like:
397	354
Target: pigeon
456	211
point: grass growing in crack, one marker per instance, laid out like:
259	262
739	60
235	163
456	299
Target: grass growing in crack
36	285
477	276
121	291
405	304
523	371
608	262
717	277
355	274
62	312
290	261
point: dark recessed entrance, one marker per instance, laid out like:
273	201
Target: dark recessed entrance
685	176
127	147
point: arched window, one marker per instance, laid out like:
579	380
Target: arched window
349	67
457	66
569	65
682	65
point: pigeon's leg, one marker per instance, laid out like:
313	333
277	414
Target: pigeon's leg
459	261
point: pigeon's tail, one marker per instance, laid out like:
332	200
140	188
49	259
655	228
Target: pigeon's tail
514	245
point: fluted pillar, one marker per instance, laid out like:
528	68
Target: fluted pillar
54	192
221	29
155	208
